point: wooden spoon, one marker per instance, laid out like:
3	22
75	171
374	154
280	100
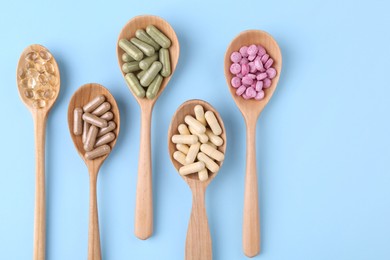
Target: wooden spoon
251	110
81	97
40	111
144	196
198	242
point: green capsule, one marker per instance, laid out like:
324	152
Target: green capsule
130	66
134	85
143	36
166	62
126	57
145	63
130	49
154	87
147	49
140	74
158	36
151	73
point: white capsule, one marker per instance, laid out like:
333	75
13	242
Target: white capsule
183	129
210	164
213	122
97	101
77	121
180	157
203	175
192	152
212	145
199	114
212	152
195	124
191	168
216	140
203	138
182	148
184	139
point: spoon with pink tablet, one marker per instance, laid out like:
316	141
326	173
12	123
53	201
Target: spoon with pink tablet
253	63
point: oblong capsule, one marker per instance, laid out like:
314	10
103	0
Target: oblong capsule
192	152
211	144
77	121
147	49
103	108
134	85
199	114
213	122
140	74
203	174
151	73
94	103
145	63
212	152
111	126
180	157
131	49
143	36
215	139
210	164
98	152
154	87
203	138
191	168
94	120
182	148
158	36
107	116
165	61
183	129
105	139
130	66
195	124
127	58
91	138
86	127
184	139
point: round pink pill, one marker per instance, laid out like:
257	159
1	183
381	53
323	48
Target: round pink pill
259	65
244	69
236	82
264	58
261	51
271	72
250	92
235	57
244	61
245	96
247	80
267	83
252	50
252	67
259	85
239	75
252	76
240	90
244	51
260	95
235	68
269	63
261	76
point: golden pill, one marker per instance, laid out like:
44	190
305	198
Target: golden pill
86	127
92	105
212	152
180	157
213	122
182	148
195	124
203	175
216	140
103	108
94	120
105	139
210	164
192	152
77	121
203	138
191	168
199	114
91	138
107	116
184	139
111	126
183	129
98	152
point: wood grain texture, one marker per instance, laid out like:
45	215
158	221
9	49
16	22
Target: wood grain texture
144	196
81	97
40	117
198	242
251	110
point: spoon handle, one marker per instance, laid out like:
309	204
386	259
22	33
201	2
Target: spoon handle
40	201
251	225
144	196
94	252
198	242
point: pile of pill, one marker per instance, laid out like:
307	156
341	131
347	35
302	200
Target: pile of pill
253	71
94	122
146	61
197	144
38	77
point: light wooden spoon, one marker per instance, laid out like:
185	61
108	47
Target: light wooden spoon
81	97
144	196
198	242
40	118
251	110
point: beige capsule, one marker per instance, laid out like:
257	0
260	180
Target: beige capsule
111	126
191	168
107	116
91	138
183	129
98	152
216	140
94	120
92	105
182	148
103	108
199	114
213	122
184	139
203	175
212	152
180	157
210	164
211	144
77	121
203	138
195	124
192	152
86	127
105	139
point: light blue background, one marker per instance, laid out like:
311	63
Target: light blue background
323	141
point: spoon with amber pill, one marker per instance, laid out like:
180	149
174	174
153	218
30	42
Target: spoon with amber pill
251	109
38	80
198	241
93	120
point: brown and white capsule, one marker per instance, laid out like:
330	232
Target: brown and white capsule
86	127
77	121
103	108
107	116
199	114
92	105
195	124
213	122
180	157
192	152
191	168
216	140
110	127
94	120
203	138
105	139
210	164
212	152
98	152
184	139
91	138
